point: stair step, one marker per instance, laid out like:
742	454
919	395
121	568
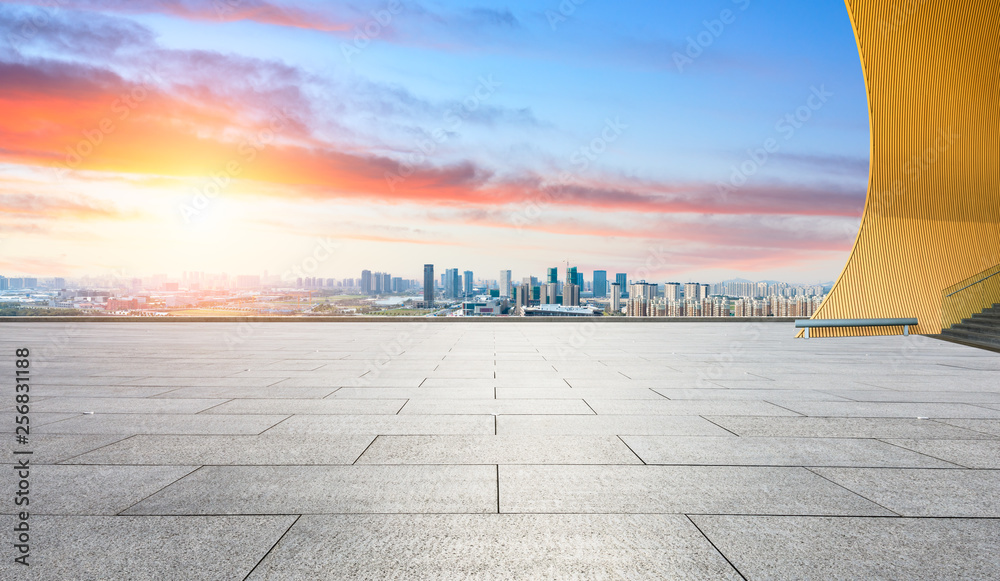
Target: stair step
983	319
979	326
973	337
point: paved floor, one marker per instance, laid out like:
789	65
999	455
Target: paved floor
502	451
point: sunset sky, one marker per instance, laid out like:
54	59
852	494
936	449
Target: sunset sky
148	136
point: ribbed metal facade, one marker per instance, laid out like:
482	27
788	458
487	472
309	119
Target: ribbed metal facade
932	217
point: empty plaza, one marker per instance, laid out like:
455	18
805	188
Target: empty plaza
501	450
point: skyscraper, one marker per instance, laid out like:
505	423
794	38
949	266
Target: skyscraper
452	283
429	284
600	283
550	293
505	283
467	283
553	275
366	282
622	279
616	297
692	291
571	295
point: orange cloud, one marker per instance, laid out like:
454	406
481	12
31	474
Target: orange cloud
69	118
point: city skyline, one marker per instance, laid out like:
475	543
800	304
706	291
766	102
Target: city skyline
710	140
272	279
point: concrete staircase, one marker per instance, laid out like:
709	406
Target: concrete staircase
982	329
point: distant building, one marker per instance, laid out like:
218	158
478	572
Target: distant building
616	297
692	291
571	295
452	283
467	283
429	284
366	282
484	307
247	281
600	284
672	291
561	311
122	304
550	294
622	279
640	300
505	283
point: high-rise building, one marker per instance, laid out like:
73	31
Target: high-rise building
622	279
523	294
672	291
600	283
429	284
366	282
553	276
705	291
467	283
550	293
4	285
616	297
692	291
640	299
571	275
571	295
505	283
452	283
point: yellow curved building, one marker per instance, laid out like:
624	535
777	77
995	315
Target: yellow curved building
931	225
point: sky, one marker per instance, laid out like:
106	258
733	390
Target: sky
672	140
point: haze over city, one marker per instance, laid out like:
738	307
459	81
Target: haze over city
710	140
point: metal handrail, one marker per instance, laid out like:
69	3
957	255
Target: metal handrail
975	283
958	302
